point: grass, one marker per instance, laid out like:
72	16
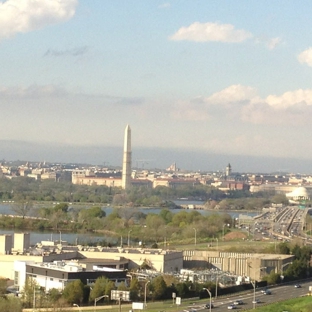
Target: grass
303	304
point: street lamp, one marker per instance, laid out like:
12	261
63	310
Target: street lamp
129	237
226	224
76	305
99	298
195	236
209	297
254	286
217	284
145	293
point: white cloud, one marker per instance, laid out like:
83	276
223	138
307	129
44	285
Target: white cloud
164	5
204	32
270	43
238	102
306	57
21	16
273	43
232	94
290	98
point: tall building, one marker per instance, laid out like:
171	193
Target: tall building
126	163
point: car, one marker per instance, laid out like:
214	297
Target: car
207	306
297	286
231	306
238	302
256	301
266	291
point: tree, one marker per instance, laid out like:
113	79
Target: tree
284	248
3	286
10	304
134	289
102	286
159	288
154	223
22	208
73	292
273	278
29	292
54	295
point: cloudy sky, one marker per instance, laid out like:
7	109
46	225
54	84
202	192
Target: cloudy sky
221	77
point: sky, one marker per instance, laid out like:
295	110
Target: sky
212	78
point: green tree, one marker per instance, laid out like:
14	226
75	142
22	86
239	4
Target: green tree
273	278
159	288
102	286
3	286
167	215
154	223
73	292
134	289
54	295
283	248
10	304
29	292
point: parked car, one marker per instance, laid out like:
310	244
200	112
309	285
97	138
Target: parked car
297	286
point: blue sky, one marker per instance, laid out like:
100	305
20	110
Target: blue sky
222	77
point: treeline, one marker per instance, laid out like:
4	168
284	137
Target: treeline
299	268
149	228
28	189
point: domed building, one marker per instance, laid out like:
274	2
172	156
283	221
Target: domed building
298	195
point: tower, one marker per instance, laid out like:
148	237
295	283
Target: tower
228	170
126	163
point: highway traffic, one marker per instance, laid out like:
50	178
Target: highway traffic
245	300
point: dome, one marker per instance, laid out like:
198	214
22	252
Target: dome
299	193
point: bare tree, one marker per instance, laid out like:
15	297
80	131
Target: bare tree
22	208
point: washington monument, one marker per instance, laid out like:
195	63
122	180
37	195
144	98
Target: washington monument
126	163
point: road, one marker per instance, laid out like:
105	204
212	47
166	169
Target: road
280	293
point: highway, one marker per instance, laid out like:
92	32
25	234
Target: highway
279	293
284	224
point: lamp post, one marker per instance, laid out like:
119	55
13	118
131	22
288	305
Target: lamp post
129	237
254	286
76	305
209	297
224	225
145	287
99	298
195	236
217	282
61	238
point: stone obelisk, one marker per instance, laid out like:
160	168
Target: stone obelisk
126	163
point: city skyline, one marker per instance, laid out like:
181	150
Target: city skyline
195	79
